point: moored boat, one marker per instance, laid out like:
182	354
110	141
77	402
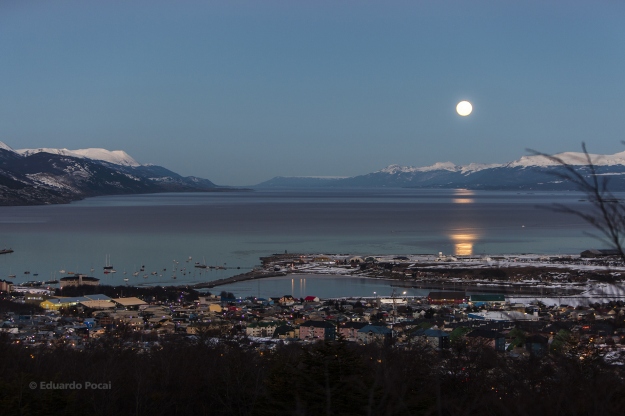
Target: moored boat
107	263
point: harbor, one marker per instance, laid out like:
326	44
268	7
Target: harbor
518	276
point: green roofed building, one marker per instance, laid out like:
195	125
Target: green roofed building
490	299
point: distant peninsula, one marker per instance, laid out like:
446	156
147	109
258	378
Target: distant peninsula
58	176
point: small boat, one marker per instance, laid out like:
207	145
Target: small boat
126	280
26	272
200	265
135	274
107	262
145	276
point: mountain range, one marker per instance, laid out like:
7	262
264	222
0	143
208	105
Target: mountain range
53	176
534	172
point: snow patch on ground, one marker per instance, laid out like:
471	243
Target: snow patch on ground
49	181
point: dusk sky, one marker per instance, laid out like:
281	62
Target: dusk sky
241	91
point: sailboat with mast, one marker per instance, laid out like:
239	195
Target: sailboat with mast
108	268
200	265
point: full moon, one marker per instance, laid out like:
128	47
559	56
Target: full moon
464	108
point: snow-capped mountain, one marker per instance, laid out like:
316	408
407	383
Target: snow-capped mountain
50	176
4	146
116	157
570	158
534	172
448	166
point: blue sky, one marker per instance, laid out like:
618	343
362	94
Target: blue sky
241	91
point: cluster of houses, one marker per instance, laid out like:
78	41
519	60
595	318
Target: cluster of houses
435	321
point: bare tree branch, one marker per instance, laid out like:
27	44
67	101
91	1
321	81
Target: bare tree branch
608	213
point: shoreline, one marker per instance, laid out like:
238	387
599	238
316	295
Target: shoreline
511	290
525	275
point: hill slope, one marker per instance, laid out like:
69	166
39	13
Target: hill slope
52	176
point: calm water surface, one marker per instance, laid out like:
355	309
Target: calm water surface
233	229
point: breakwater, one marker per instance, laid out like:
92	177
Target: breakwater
238	278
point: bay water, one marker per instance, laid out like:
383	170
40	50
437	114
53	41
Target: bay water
232	230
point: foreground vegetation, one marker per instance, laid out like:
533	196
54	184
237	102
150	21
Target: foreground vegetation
202	376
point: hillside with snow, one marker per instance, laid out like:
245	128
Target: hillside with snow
52	176
570	158
116	157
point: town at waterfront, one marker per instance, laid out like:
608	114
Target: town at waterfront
546	298
579	295
501	332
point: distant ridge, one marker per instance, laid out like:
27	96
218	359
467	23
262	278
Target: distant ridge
534	172
52	176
